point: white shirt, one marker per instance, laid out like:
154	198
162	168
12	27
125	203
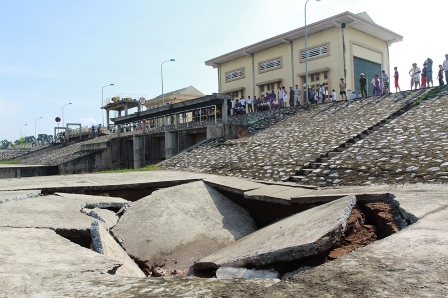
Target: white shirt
445	64
243	101
233	103
334	95
249	101
281	93
353	95
297	92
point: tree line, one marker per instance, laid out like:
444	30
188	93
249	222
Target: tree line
41	139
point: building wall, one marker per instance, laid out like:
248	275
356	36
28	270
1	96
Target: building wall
369	48
283	72
245	82
329	66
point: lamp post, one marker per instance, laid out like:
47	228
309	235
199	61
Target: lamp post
161	75
306	58
63	119
102	101
35	120
21	129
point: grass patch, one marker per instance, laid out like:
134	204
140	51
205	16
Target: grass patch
9	162
147	168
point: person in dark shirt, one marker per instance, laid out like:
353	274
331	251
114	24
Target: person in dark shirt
363	84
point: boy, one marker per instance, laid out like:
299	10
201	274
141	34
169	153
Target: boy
397	86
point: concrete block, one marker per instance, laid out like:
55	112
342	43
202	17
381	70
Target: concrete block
302	235
105	244
174	227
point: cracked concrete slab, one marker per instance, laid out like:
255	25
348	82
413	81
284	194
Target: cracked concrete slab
174	227
9	196
154	178
301	235
105	244
61	211
30	254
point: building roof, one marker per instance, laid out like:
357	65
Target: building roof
361	22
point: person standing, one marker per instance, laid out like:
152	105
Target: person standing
411	73
363	85
297	93
272	98
397	86
378	90
372	82
291	97
440	75
385	79
429	72
445	67
256	103
232	109
416	77
424	75
249	105
342	87
243	104
281	97
322	93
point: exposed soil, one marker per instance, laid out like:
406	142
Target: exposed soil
357	234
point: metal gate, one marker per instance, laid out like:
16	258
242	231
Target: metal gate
369	68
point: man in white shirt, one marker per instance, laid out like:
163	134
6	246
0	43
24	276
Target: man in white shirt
297	93
353	96
416	76
243	103
249	105
281	96
445	66
232	109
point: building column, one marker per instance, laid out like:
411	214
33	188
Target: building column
224	112
137	149
170	142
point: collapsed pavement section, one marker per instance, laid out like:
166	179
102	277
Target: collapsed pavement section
174	227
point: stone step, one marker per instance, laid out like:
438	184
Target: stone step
333	154
316	165
296	178
304	171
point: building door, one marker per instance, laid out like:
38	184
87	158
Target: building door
369	68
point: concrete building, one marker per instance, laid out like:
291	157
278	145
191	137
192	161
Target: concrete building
342	46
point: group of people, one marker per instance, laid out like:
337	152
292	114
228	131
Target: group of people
426	74
268	101
420	78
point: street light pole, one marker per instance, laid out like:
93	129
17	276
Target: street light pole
21	129
161	75
306	58
102	102
63	120
35	120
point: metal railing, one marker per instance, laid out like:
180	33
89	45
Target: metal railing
187	119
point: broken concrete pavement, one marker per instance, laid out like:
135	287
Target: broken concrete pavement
173	227
305	234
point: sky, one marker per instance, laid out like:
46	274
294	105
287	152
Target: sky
56	52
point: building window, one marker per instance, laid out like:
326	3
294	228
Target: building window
270	65
325	75
235	74
315	52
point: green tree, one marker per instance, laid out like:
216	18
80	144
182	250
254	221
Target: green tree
5	144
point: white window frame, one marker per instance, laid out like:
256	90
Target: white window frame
319	51
270	64
235	74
